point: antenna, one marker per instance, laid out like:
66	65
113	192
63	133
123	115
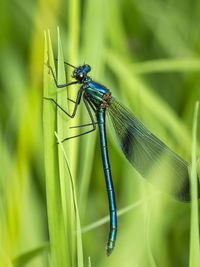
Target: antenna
67	64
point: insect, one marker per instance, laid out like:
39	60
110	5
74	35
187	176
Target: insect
142	149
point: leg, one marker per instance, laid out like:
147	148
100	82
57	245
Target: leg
71	100
60	85
91	117
89	124
78	98
91	105
83	125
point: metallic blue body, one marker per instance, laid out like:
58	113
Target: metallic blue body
100	114
94	93
143	149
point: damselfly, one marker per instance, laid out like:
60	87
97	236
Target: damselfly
143	149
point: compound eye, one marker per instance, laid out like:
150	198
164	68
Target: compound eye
87	68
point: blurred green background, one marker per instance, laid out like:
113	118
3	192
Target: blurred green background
147	54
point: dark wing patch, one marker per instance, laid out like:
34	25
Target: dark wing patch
150	156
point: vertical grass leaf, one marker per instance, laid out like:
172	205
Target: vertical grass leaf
194	230
78	226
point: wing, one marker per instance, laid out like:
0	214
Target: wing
149	156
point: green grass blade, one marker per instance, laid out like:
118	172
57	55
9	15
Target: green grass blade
89	262
78	226
51	164
62	127
166	65
64	245
74	29
73	51
58	242
26	257
119	213
194	230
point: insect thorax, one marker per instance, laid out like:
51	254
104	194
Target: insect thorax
97	94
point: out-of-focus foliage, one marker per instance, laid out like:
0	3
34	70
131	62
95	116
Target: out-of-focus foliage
147	53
